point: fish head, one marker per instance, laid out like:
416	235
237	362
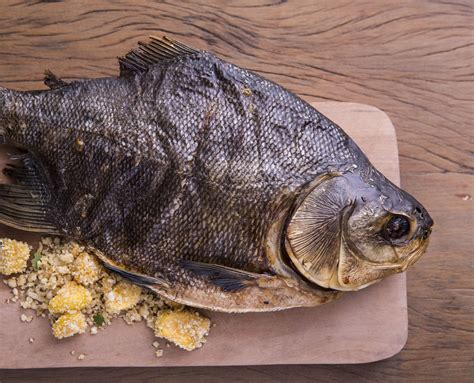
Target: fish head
350	230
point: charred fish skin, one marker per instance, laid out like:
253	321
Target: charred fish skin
178	171
169	163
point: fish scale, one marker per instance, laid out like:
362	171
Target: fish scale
184	173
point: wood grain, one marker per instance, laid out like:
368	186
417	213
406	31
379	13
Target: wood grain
414	60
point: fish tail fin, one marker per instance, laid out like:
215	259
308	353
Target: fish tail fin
24	204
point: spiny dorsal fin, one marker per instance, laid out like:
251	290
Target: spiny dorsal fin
52	81
152	52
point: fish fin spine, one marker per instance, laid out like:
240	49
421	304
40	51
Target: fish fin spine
152	52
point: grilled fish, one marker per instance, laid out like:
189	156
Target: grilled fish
205	183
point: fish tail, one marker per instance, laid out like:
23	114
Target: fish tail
7	113
23	204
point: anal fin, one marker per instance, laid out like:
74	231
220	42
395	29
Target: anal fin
142	280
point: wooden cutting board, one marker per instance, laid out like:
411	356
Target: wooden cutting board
360	327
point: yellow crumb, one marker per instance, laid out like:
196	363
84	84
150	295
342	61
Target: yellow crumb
187	329
66	281
71	297
14	256
85	269
123	296
69	324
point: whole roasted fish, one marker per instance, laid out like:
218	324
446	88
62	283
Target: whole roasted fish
205	183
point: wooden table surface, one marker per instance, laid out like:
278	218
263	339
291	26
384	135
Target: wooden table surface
414	60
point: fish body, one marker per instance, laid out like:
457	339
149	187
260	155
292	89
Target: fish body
204	182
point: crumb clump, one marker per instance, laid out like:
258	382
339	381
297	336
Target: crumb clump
65	283
123	296
69	324
85	269
185	328
14	256
70	298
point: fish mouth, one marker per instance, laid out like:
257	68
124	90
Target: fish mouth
375	271
416	253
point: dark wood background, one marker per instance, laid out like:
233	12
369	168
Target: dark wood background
414	60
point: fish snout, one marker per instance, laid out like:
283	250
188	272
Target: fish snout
424	222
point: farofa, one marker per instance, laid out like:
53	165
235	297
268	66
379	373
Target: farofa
65	283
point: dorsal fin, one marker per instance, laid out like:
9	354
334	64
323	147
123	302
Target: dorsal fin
152	52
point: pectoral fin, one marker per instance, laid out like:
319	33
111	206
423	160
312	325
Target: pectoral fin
227	278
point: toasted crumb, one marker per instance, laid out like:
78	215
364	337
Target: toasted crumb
122	297
185	328
81	357
31	340
26	318
14	256
70	298
85	269
66	284
159	353
69	324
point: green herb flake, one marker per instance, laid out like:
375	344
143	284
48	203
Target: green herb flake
98	319
36	259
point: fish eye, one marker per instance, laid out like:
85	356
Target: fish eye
397	227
